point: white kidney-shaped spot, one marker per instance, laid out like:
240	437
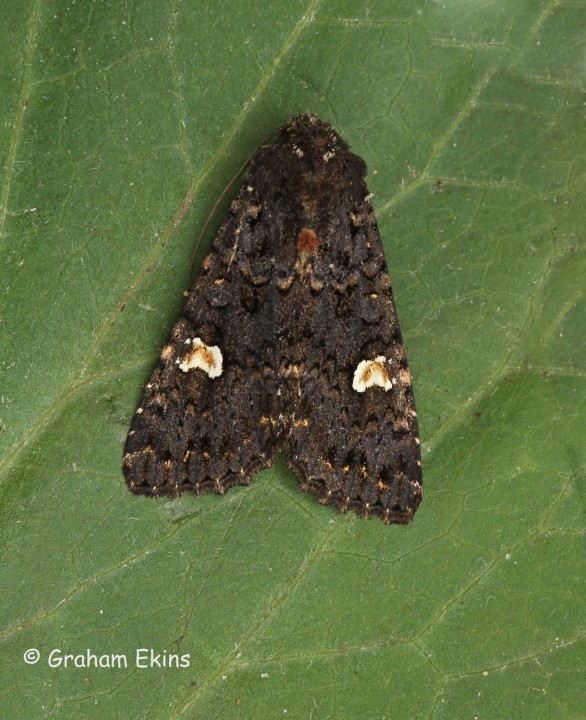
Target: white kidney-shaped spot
373	372
204	357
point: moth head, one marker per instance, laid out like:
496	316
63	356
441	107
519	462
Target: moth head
311	161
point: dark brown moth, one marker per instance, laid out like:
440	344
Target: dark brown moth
288	341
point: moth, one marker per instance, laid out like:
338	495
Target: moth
288	342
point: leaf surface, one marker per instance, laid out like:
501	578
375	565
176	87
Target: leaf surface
121	127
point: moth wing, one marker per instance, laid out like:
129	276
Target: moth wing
204	422
354	438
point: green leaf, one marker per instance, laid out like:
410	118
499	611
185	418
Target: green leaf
122	124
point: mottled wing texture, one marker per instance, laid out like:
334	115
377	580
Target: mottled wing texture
294	302
208	428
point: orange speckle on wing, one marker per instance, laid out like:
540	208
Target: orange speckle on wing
306	242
